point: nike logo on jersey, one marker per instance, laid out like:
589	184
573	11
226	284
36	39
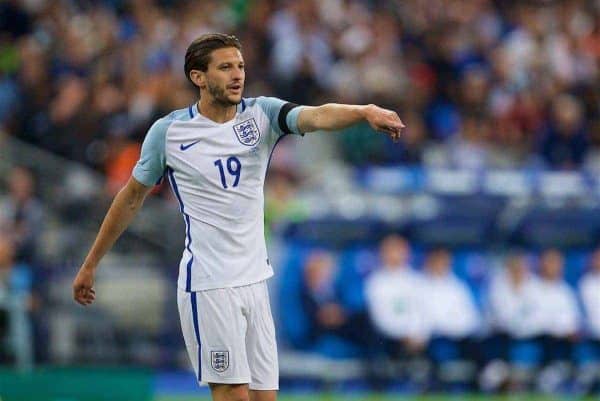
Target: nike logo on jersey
189	145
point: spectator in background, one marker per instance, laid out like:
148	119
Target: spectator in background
451	312
515	308
21	214
502	62
15	286
413	142
588	351
565	137
560	322
395	300
469	148
589	290
514	298
318	294
301	52
327	315
30	119
559	310
70	126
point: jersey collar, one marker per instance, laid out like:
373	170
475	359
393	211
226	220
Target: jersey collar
193	110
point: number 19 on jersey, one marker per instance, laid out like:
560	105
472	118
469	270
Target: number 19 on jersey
234	167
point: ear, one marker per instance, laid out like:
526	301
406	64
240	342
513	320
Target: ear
198	78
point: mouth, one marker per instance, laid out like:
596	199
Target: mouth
235	88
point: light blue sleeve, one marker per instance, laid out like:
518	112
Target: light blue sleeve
152	164
273	108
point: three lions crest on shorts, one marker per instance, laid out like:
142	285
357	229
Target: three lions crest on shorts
247	132
219	360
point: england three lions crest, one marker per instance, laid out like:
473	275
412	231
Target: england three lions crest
219	360
247	132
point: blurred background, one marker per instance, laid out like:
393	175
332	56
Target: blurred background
464	259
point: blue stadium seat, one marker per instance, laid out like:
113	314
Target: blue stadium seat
335	347
355	264
586	352
576	263
474	268
525	353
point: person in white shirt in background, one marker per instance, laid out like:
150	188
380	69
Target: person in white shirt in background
395	300
515	315
451	312
588	355
560	322
514	300
589	289
451	309
560	311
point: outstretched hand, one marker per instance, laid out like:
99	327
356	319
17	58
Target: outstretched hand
385	121
83	286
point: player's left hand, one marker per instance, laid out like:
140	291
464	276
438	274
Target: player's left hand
383	120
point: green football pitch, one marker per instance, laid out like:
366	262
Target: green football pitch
374	397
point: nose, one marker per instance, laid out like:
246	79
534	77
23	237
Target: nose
238	74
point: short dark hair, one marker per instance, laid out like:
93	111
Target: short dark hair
198	52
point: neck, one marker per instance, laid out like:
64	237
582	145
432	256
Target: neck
216	111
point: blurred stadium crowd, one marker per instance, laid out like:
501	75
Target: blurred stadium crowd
480	84
493	83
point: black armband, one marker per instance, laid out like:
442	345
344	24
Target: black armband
282	118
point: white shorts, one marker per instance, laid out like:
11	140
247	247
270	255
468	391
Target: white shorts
230	336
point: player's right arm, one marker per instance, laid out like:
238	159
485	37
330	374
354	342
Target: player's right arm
147	172
290	118
120	214
334	117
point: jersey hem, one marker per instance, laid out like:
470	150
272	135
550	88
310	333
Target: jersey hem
215	286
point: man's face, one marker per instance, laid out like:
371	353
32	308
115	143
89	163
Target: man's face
225	76
551	265
517	268
439	263
394	252
319	270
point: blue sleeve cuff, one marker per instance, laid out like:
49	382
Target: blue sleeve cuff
152	163
292	120
145	177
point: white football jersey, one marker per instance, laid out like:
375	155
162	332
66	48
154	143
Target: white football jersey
217	172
